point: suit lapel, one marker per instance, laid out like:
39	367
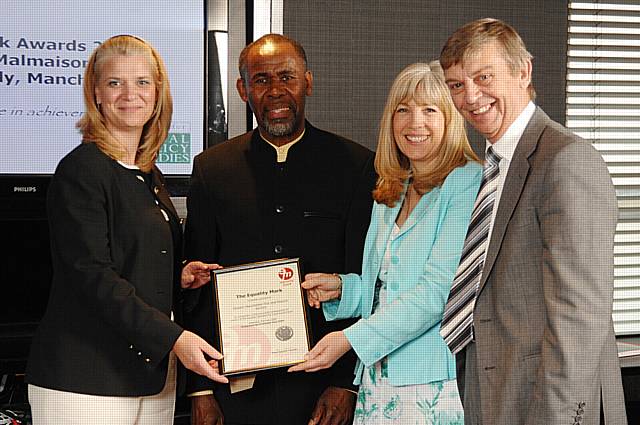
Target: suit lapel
389	217
513	185
162	193
391	214
420	210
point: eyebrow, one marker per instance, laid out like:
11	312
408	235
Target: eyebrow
266	74
141	77
473	74
483	69
418	104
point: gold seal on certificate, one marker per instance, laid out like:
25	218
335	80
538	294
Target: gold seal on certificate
262	318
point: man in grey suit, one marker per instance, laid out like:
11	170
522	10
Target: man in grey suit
529	314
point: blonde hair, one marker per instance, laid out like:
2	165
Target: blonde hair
425	84
470	38
92	124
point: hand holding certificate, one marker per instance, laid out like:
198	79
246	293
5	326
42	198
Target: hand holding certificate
262	320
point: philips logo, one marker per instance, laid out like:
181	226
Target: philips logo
24	189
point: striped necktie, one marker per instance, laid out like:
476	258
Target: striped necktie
457	322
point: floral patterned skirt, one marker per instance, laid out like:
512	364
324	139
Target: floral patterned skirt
436	403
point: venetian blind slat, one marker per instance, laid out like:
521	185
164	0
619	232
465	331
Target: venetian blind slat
603	107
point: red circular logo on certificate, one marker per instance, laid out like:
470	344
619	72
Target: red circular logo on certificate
285	274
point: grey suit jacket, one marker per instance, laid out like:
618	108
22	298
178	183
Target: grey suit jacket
544	349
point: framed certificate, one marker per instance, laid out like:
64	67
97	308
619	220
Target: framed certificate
262	317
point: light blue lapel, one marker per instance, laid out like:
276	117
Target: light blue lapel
419	210
384	232
391	214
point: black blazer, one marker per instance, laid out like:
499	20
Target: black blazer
244	207
106	330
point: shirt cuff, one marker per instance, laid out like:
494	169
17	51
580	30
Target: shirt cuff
199	393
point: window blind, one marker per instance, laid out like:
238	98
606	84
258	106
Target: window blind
603	107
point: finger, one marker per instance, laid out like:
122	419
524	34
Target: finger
312	297
317	298
317	414
322	296
309	284
195	266
314	353
308	359
212	372
308	366
210	351
315	279
328	418
327	295
311	294
296	368
214	376
203	278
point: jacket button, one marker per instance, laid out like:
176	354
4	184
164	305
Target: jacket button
139	353
280	209
156	190
277	249
147	360
164	251
131	347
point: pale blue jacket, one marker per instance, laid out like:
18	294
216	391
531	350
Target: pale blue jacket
424	258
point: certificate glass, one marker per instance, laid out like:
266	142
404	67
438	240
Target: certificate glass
262	318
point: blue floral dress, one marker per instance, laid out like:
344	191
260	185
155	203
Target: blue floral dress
379	402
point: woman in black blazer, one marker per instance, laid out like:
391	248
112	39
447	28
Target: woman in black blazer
105	350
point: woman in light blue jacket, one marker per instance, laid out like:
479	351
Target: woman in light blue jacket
428	181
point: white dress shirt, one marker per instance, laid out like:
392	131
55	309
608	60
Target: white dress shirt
505	147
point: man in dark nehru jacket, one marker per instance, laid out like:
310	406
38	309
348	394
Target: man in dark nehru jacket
283	190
